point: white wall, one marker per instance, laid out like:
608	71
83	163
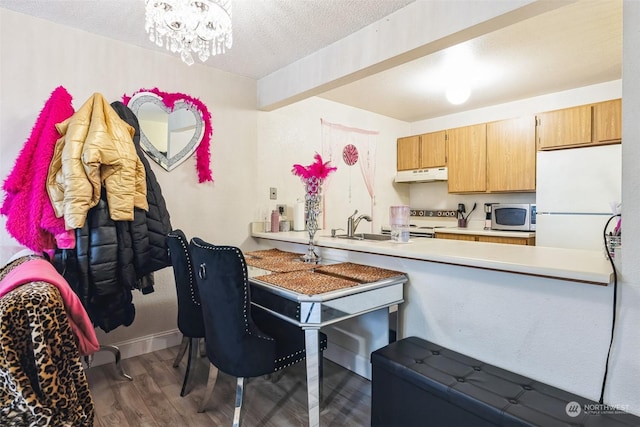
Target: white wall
292	135
48	55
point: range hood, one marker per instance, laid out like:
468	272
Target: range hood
422	175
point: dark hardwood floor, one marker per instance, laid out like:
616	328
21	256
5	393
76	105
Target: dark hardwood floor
153	397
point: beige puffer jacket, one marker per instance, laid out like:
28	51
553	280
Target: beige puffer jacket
95	149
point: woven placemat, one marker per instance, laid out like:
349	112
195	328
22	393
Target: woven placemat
271	253
307	282
279	265
362	273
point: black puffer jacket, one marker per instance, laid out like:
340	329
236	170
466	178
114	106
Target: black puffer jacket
93	269
150	228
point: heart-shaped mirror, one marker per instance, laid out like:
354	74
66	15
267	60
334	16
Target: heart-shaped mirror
172	127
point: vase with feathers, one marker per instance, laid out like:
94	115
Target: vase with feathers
313	177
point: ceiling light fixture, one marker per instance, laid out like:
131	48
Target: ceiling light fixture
202	27
458	94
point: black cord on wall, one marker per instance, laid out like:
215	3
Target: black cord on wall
615	297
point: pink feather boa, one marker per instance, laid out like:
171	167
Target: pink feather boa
31	219
203	154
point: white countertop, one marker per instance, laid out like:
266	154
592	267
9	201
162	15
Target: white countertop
566	264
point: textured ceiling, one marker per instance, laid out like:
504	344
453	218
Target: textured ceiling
573	46
267	34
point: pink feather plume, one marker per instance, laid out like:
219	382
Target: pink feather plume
317	169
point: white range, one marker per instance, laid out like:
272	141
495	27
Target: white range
422	223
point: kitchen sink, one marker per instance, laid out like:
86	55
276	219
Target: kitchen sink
366	236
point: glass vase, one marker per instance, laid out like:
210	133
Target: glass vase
313	187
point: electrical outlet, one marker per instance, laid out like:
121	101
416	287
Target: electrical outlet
282	209
273	193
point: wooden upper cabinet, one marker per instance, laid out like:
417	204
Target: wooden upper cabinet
607	122
422	151
408	153
592	124
467	159
433	149
569	127
511	155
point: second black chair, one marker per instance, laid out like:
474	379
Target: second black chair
190	321
242	340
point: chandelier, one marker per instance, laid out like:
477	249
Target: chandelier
201	27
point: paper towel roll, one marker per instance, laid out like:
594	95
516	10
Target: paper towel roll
298	216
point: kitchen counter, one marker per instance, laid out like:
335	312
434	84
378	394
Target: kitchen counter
556	263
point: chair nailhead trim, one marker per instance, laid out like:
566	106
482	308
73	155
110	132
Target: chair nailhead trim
323	343
194	299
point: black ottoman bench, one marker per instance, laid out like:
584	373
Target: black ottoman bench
419	383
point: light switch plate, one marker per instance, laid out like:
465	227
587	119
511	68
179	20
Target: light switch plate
273	193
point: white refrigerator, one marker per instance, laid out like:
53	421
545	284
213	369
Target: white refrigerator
574	192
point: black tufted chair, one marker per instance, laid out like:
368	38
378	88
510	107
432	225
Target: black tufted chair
190	321
242	340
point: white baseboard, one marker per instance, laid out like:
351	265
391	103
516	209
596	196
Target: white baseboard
139	346
349	360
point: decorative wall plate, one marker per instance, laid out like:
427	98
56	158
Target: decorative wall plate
350	154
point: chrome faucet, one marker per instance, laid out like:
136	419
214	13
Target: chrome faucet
352	223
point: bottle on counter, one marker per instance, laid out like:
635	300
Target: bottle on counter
275	221
285	223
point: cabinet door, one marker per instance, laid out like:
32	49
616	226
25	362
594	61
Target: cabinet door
467	237
467	160
511	155
526	241
433	149
564	128
607	126
408	153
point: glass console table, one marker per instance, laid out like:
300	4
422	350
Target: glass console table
312	296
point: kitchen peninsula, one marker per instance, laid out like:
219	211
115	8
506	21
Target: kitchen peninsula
538	311
566	264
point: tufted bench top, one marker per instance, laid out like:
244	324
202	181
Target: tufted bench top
416	382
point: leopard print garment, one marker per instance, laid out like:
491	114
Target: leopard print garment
42	380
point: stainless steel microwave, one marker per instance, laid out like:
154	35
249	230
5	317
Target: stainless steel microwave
513	216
